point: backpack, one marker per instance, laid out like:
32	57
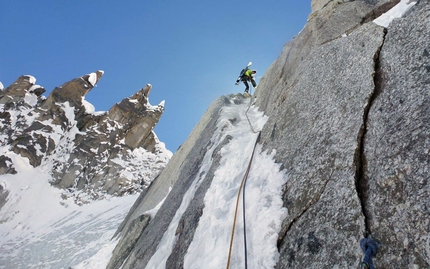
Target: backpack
243	71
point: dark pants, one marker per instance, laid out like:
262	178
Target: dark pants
245	81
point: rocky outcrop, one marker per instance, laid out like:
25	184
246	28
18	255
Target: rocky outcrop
22	96
3	196
348	105
328	5
114	136
73	93
136	115
6	166
38	114
15	93
324	25
84	151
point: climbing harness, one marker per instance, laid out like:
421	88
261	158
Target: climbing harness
242	189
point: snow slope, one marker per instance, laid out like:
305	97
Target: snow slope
38	229
264	205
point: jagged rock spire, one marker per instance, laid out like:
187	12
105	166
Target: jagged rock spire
16	92
137	116
74	90
88	143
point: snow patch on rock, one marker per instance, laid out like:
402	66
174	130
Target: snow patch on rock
89	108
93	79
396	12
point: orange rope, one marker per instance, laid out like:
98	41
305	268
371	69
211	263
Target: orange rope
237	201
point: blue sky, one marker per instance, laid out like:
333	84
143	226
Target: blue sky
190	51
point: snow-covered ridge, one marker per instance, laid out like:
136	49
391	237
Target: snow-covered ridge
68	175
65	137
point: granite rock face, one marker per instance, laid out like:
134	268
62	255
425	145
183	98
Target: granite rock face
332	22
397	145
348	106
362	166
328	103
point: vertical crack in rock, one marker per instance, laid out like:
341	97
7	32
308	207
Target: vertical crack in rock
361	180
283	232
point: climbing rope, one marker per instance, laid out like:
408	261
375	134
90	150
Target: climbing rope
242	184
246	114
244	222
242	189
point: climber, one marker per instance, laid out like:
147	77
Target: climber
245	76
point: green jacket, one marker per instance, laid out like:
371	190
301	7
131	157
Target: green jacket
248	73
